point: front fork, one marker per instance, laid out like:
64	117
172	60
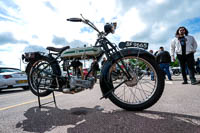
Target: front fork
125	70
109	52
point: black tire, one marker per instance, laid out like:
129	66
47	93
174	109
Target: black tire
176	73
35	75
141	92
25	87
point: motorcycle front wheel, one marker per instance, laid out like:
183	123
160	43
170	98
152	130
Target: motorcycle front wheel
143	90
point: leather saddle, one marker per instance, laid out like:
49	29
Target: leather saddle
59	50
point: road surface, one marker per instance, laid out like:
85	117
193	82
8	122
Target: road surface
178	111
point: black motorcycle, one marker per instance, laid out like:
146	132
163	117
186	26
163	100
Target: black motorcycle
123	78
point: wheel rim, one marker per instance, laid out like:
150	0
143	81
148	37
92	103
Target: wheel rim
141	88
41	76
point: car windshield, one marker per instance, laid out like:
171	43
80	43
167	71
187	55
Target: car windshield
2	70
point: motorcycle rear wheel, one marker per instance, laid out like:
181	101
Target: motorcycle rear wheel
143	90
40	77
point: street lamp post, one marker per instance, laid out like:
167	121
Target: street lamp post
20	64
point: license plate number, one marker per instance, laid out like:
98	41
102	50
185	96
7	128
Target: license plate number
21	81
142	45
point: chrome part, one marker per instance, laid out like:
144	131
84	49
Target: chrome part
66	90
76	82
133	81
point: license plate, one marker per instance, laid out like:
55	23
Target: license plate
143	45
21	81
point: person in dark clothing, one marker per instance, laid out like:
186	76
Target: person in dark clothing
77	68
198	65
103	61
151	72
95	68
185	46
163	58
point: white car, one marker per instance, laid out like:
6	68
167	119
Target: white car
12	78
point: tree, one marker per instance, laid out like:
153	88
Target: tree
175	63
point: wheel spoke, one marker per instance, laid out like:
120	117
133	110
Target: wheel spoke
140	88
41	76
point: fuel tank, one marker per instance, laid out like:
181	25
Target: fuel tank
81	52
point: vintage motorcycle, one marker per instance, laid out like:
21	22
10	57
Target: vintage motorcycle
123	78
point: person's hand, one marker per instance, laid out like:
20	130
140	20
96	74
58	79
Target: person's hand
173	59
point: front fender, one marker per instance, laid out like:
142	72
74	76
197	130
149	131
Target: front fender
105	82
132	51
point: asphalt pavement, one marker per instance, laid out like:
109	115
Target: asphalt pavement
178	111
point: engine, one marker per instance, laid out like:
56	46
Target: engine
77	78
77	82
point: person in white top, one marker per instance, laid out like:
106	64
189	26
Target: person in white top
184	46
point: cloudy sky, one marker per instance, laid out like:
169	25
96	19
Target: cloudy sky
32	25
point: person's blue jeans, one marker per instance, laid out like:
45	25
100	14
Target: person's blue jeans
165	68
152	75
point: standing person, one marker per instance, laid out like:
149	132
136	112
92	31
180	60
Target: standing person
103	61
184	46
77	68
198	65
151	72
163	58
95	68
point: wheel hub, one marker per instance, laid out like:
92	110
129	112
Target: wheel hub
132	82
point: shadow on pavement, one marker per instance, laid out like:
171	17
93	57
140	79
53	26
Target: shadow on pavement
90	120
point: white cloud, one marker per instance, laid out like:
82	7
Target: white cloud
11	55
130	24
154	21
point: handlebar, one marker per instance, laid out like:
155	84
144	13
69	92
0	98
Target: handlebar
75	19
86	21
89	23
110	28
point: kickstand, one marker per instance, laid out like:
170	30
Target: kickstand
39	101
38	94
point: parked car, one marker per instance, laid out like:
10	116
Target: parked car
12	78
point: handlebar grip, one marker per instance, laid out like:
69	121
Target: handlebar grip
75	19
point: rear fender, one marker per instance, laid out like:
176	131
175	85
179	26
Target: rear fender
31	57
28	67
55	63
